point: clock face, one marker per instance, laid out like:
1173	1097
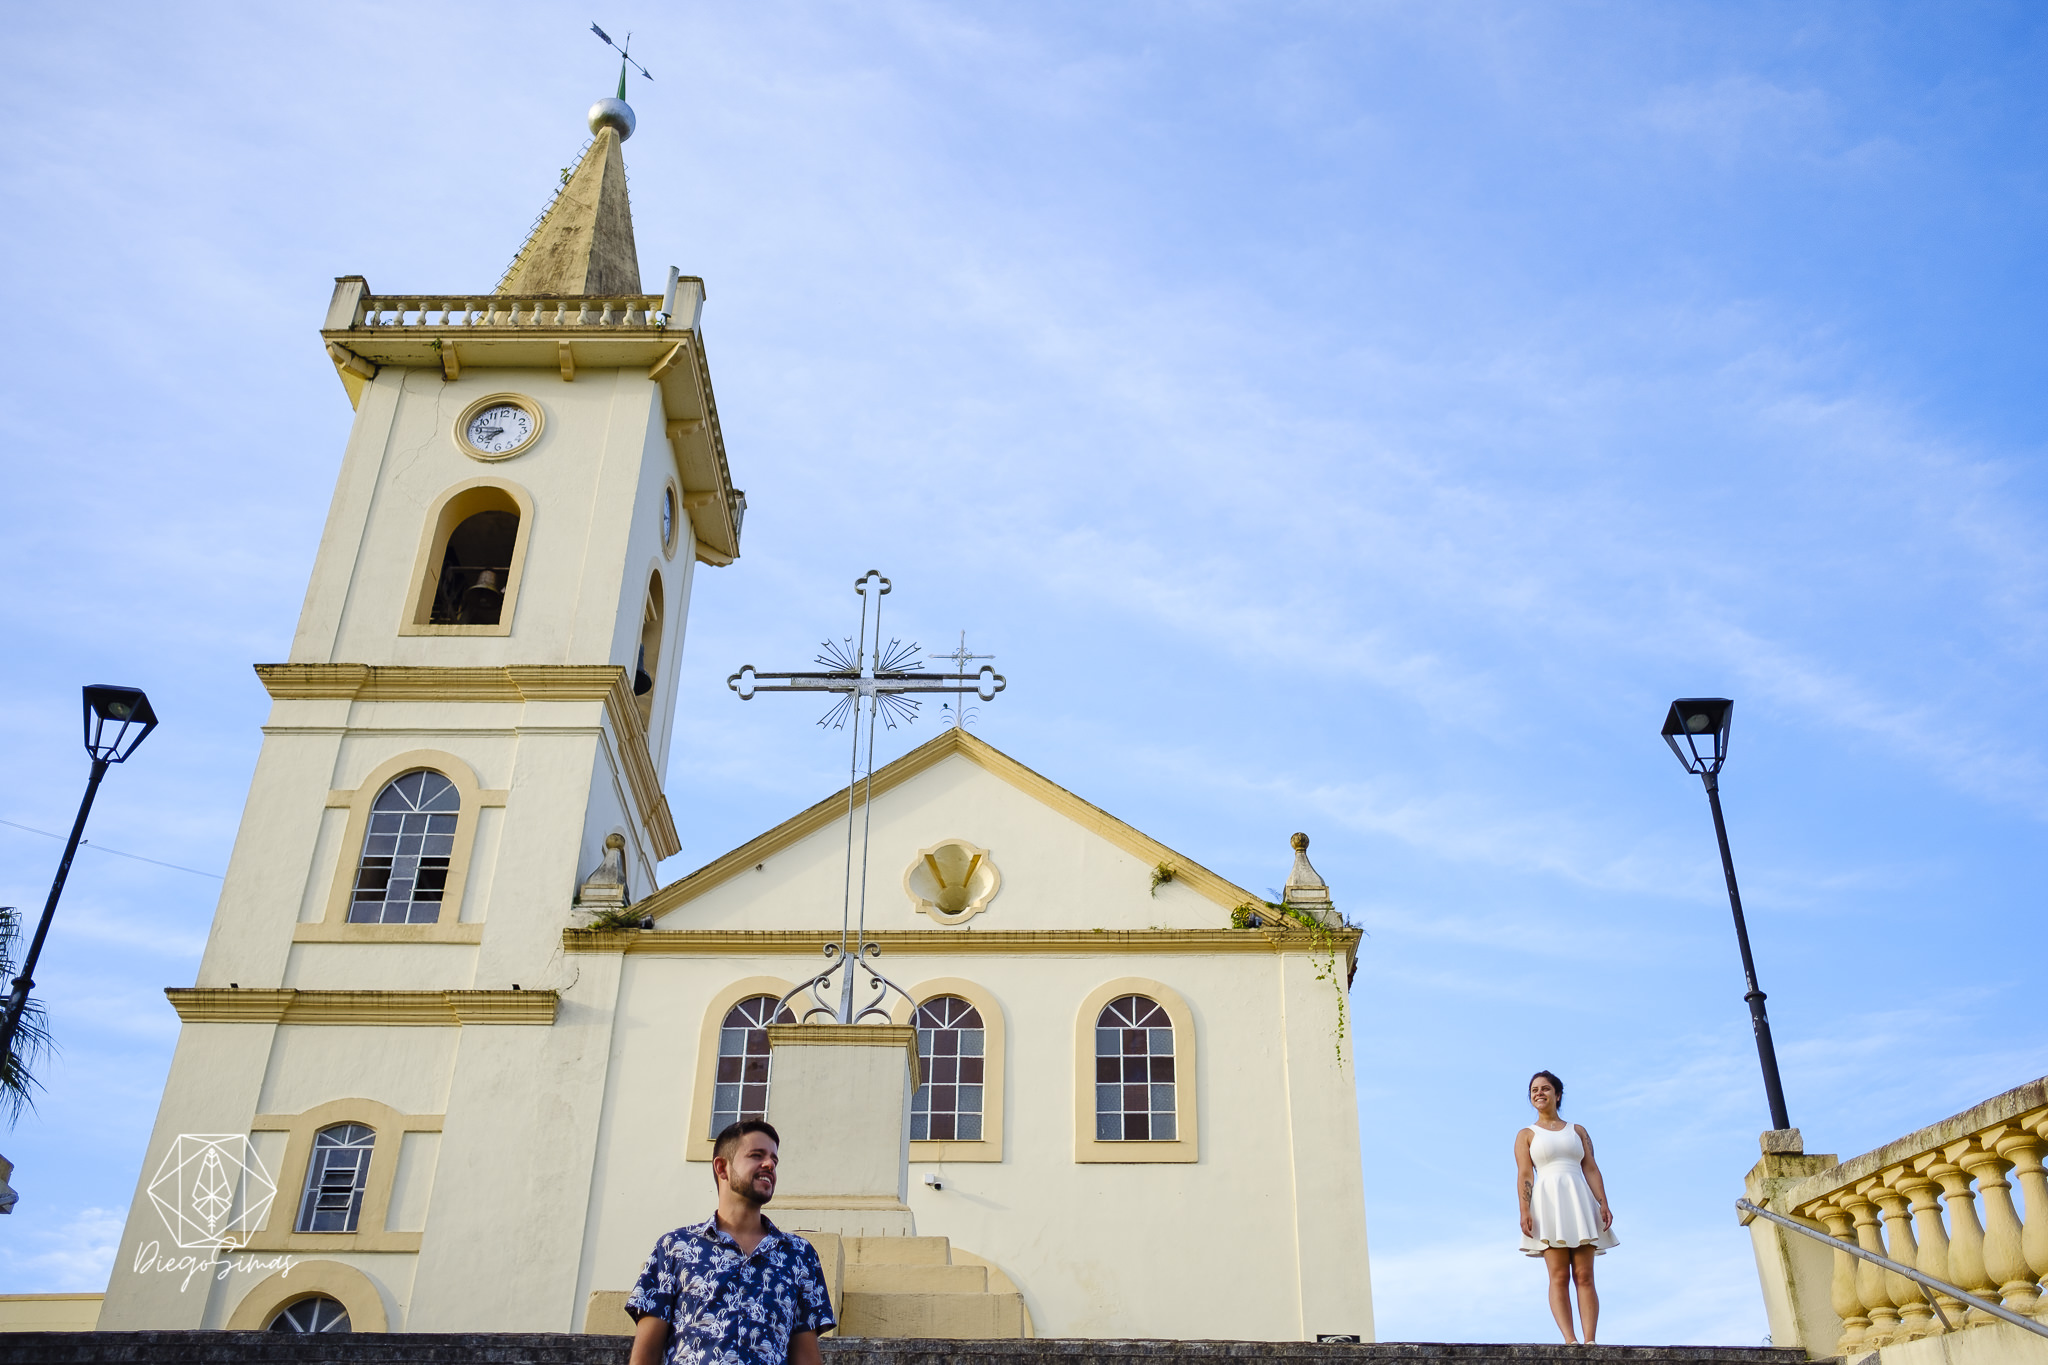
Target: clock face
499	429
668	520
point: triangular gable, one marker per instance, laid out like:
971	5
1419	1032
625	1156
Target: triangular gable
984	755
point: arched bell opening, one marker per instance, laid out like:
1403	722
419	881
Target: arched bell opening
469	574
475	568
648	663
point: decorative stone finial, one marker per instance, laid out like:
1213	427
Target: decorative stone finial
606	888
1305	886
612	113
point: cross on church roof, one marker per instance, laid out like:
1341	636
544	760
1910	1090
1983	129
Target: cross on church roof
872	681
961	658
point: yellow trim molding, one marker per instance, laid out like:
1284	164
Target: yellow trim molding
847	1035
346	1285
994	1052
607	683
391	1126
334	926
1149	851
470	934
211	1005
1186	1062
942	942
697	1143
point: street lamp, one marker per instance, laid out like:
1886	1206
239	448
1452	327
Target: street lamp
1704	721
116	721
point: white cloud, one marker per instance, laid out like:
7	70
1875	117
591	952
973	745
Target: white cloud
74	1255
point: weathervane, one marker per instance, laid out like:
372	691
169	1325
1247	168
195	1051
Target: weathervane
863	670
625	58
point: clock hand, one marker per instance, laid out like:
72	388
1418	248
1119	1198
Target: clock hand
493	433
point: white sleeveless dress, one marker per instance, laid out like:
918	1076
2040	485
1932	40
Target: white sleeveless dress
1561	1202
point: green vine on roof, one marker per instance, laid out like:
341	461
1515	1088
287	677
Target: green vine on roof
1323	956
618	917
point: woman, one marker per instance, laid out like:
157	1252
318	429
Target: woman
1565	1218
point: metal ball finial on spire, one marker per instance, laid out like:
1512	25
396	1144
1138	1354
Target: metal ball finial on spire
613	112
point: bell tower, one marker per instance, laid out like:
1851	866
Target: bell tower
532	478
473	723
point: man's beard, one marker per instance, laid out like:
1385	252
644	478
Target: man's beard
747	1192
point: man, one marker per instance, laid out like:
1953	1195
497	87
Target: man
733	1289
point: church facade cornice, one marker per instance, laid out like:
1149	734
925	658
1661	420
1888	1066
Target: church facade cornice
211	1005
606	683
953	942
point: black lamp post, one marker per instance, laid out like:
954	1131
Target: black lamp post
1705	720
116	720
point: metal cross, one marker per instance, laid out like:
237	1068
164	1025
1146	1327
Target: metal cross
862	671
961	658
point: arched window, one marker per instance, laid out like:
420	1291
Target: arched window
467	575
1134	1087
404	869
649	664
334	1178
318	1314
947	1106
741	1089
475	567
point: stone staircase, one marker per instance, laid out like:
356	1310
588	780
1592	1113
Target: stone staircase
918	1287
888	1287
548	1348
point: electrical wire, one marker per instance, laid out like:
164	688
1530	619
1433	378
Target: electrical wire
102	848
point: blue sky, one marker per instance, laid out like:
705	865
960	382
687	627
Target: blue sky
1361	419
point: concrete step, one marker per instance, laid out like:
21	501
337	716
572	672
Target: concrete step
1090	1351
1087	1351
869	1277
554	1348
952	1317
898	1251
287	1348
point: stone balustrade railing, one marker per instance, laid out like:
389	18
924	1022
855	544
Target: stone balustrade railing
390	312
1942	1200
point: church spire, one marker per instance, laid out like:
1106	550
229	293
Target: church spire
584	242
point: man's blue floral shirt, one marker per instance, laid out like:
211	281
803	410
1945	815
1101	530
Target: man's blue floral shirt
727	1309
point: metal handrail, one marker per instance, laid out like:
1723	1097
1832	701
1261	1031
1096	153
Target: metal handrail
1927	1283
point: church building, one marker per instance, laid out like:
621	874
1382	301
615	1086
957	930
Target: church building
454	1058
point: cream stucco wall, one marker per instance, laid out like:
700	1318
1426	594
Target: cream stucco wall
596	479
1274	1206
1067	876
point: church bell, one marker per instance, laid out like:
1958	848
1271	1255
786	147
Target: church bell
483	601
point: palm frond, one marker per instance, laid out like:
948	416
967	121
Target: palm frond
31	1044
